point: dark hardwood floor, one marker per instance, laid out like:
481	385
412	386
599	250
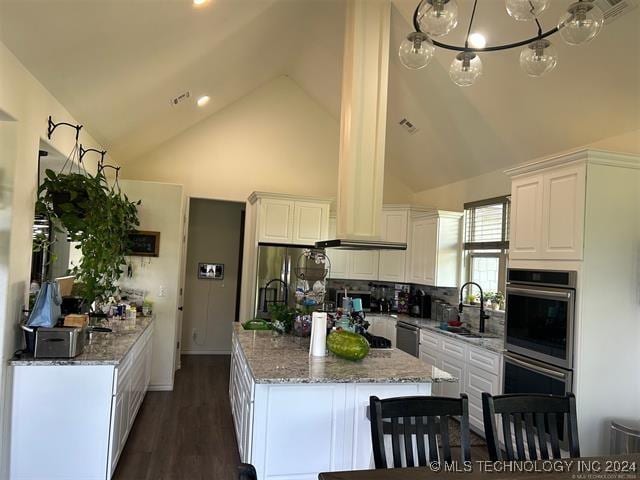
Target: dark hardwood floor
186	434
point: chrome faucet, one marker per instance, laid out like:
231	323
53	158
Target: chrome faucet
483	316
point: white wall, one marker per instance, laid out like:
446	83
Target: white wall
161	211
453	196
25	100
209	305
275	139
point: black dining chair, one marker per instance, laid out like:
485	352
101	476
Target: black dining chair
530	417
246	471
420	423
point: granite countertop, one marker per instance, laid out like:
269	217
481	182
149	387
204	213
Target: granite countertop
275	358
102	348
487	340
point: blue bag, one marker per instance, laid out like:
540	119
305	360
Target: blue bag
46	310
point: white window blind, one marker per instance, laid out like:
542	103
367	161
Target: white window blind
486	224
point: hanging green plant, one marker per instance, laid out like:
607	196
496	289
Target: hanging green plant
98	217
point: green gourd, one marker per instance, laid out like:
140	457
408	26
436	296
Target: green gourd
349	345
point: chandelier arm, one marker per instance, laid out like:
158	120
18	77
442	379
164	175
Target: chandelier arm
473	14
494	48
416	25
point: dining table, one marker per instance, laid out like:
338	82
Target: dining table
583	468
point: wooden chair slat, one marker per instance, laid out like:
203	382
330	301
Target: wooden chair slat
506	430
408	441
395	442
433	442
553	433
444	437
517	427
542	436
420	433
531	439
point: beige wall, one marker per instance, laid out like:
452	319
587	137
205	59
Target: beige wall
275	139
161	211
209	305
28	104
454	195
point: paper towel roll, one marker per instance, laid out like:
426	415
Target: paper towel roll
318	346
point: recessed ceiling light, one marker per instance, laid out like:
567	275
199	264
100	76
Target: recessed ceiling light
199	2
477	40
203	100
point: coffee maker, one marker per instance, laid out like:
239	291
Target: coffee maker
420	305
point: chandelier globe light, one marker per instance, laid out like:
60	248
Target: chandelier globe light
581	23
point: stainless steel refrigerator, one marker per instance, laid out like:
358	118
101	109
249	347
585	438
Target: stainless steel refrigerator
276	280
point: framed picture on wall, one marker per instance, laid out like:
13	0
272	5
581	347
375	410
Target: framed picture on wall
144	244
211	271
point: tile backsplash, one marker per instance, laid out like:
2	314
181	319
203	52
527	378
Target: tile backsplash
470	314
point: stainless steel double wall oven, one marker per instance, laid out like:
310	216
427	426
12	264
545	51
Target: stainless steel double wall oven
539	331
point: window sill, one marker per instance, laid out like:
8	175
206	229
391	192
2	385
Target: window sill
477	305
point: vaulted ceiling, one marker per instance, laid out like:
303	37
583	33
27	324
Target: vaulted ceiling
115	65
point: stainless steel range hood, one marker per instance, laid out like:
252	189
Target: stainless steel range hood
361	245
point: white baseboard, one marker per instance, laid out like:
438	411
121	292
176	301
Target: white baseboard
160	388
207	352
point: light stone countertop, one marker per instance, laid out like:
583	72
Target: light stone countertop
274	358
487	340
102	348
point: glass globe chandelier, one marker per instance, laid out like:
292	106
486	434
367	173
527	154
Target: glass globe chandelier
581	22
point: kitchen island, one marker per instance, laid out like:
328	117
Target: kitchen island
71	417
296	416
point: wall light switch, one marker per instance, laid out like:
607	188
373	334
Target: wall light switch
162	292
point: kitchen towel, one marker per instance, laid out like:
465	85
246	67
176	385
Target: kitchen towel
318	346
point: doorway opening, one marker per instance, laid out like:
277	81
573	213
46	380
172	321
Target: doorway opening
212	272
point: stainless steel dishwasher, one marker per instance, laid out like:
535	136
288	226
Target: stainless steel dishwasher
408	338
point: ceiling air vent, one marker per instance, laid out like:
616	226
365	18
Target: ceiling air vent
175	101
408	126
613	9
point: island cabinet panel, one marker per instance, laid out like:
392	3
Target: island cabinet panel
71	418
296	417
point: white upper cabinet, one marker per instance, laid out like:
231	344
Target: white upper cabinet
434	249
563	205
339	258
311	222
394	226
547	214
526	214
363	264
276	220
288	220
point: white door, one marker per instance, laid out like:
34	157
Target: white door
311	220
417	249
276	220
391	267
363	265
563	213
431	251
526	213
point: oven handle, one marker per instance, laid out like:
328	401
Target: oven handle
536	367
546	293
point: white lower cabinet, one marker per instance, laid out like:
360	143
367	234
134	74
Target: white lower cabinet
478	370
74	419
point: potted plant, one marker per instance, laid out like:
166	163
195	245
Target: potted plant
497	302
471	299
99	218
282	317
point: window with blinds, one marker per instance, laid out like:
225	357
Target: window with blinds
486	224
